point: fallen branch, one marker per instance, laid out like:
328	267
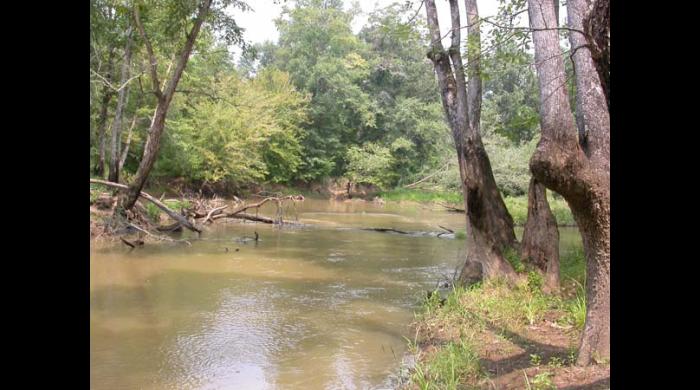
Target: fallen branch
427	177
127	243
415	234
157	237
444	228
215	210
170	228
251	217
384	230
181	219
262	202
239	213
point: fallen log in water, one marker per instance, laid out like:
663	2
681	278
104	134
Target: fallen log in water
254	218
385	230
414	234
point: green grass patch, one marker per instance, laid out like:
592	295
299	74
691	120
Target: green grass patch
541	381
517	207
403	194
175	204
572	266
496	306
455	364
153	212
513	258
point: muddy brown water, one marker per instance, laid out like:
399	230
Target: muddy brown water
326	306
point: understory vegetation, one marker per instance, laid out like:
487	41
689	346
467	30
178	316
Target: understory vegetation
458	339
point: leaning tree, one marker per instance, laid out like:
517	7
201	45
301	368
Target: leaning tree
184	19
575	162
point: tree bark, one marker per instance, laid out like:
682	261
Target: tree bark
489	226
597	24
121	102
152	145
580	174
102	119
540	244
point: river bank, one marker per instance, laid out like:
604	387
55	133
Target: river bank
491	336
102	200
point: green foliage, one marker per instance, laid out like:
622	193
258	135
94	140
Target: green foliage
513	258
510	163
572	266
370	164
370	92
542	381
249	133
534	281
535	359
576	309
153	211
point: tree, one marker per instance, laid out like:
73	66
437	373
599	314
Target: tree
177	16
102	43
121	102
489	225
539	247
576	167
323	57
510	92
244	131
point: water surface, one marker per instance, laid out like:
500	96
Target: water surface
326	306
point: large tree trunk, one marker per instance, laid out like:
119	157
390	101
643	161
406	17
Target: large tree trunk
489	226
121	102
150	151
102	119
580	174
540	244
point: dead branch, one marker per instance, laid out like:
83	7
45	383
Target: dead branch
239	213
157	237
384	230
180	218
444	228
251	217
170	228
427	177
215	210
127	243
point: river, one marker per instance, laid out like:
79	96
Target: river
324	306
